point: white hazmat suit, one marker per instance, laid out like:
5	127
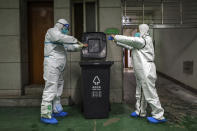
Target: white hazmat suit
145	71
56	46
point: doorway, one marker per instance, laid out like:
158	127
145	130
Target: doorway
78	20
127	53
84	17
40	19
129	81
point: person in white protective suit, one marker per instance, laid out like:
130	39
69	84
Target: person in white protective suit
145	72
57	43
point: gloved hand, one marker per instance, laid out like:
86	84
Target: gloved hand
111	37
83	45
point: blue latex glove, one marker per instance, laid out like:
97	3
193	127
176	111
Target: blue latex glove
110	38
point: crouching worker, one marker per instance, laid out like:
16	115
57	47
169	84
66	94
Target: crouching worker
145	72
57	43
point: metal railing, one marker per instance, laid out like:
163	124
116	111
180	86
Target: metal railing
160	13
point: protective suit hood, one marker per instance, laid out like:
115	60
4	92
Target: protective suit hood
60	23
144	29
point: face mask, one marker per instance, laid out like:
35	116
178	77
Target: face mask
137	34
64	31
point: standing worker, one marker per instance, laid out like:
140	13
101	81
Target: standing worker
57	43
145	72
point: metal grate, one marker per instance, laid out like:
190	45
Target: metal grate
166	13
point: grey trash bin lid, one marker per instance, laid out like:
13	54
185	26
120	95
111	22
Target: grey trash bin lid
97	45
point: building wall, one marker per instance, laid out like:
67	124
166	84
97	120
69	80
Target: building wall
173	47
10	58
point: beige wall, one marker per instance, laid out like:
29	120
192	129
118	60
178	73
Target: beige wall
173	47
10	63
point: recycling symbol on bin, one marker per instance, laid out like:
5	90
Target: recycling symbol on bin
96	80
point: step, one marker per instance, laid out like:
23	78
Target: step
37	90
34	90
24	101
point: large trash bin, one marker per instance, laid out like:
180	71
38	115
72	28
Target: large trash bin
96	85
